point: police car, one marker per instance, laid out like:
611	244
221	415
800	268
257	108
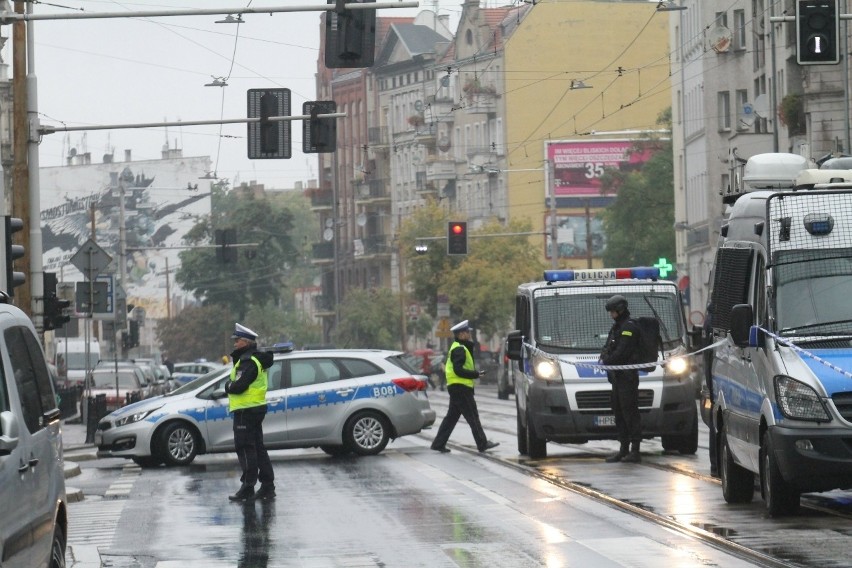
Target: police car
342	401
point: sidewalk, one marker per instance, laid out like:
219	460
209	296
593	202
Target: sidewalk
76	450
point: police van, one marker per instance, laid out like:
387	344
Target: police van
561	393
782	369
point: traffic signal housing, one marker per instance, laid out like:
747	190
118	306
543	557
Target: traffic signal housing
54	315
319	135
269	139
350	36
817	32
457	237
224	251
13	252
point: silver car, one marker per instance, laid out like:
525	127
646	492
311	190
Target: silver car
342	401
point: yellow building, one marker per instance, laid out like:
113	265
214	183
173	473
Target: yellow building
582	79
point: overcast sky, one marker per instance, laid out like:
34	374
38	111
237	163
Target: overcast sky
143	70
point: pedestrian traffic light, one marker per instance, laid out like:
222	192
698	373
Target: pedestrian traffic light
457	237
268	139
350	35
225	238
13	252
319	135
817	32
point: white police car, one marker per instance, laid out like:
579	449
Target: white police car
342	401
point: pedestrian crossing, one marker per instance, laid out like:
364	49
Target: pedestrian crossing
92	522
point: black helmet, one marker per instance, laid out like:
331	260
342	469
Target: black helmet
617	303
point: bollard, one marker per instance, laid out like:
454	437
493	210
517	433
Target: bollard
96	409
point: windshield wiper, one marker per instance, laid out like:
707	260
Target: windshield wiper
813	325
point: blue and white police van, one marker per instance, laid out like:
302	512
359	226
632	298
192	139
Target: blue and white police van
782	371
561	393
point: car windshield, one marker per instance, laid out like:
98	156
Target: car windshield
126	379
407	362
813	291
197	382
572	322
77	361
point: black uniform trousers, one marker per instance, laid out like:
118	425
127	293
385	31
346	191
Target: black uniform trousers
248	442
462	403
625	406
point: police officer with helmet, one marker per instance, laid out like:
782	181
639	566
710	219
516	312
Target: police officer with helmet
621	348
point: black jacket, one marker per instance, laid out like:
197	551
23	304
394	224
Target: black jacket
620	349
248	370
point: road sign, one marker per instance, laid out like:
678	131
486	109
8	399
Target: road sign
92	297
91	260
443	329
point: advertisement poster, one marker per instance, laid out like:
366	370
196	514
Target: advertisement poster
579	164
572	238
162	201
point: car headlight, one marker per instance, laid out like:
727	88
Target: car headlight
546	369
135	417
798	401
677	366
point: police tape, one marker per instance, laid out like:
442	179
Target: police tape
806	353
661	362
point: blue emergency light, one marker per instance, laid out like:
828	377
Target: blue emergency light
818	224
639	272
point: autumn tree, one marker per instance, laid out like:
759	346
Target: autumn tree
369	319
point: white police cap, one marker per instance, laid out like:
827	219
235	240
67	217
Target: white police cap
244	332
461	326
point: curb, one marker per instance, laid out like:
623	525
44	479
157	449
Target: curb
72	469
73	495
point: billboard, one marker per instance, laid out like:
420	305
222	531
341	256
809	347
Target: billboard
579	164
575	234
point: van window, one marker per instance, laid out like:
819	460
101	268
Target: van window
812	291
731	278
31	375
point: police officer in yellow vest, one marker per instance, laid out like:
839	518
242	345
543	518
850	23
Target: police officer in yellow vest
461	372
247	401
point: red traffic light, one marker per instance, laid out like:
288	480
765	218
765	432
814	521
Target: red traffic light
457	237
457	229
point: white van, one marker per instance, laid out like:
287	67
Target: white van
33	508
782	374
563	321
71	353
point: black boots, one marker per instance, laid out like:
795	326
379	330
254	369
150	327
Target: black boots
245	493
619	455
488	445
266	491
633	456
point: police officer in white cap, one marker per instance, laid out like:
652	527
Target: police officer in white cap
247	401
461	372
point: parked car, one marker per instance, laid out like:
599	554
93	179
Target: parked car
155	384
120	385
185	372
342	401
34	518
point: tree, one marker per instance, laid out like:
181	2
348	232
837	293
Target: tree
638	224
197	332
274	324
369	319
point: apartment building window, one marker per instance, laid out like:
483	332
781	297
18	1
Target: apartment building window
724	110
739	30
742	99
722	19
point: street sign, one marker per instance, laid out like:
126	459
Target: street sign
443	329
91	260
108	313
92	297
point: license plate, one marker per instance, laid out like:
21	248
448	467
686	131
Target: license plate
604	420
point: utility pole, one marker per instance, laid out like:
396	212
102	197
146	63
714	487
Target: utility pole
20	176
554	245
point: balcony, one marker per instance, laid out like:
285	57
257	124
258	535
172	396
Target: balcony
322	199
481	103
441	169
377	136
324	306
480	155
441	110
372	191
423	187
323	253
373	246
425	134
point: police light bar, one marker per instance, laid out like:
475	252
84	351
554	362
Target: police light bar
641	272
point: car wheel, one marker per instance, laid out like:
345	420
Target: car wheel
522	432
536	446
57	548
336	451
147	461
780	497
178	444
366	433
685	444
737	481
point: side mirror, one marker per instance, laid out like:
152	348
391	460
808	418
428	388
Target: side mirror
514	345
8	432
742	318
219	394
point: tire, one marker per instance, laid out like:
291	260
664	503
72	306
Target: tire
686	444
147	461
366	433
179	444
780	497
537	446
336	451
57	547
522	433
737	482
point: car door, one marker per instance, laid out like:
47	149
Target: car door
275	423
219	423
318	397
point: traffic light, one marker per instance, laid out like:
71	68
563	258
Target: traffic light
224	239
817	32
319	135
13	252
53	312
350	36
457	237
269	139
